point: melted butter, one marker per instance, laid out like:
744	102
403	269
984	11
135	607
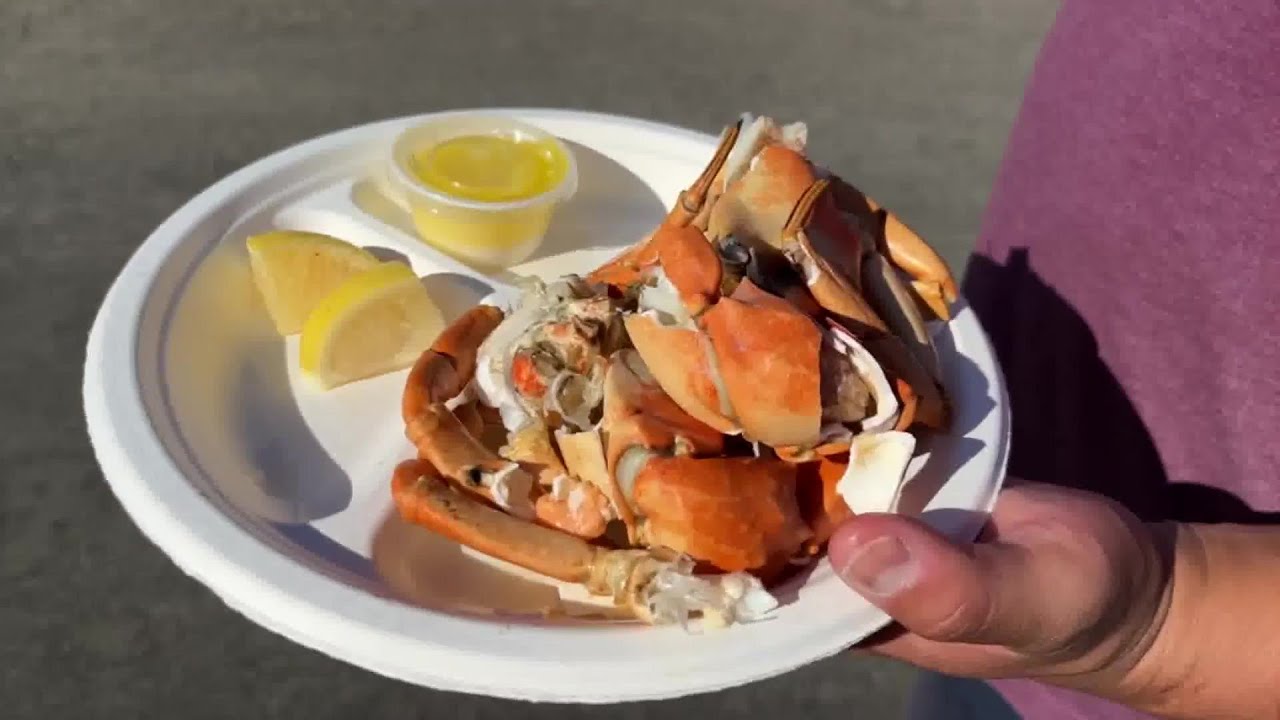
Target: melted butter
490	168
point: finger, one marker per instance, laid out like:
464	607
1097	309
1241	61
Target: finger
961	659
981	594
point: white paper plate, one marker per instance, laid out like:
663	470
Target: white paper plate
277	498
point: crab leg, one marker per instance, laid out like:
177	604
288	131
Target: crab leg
693	201
425	498
812	239
692	206
652	588
445	442
738	514
440	375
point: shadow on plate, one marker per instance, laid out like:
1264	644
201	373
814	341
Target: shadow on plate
612	208
370	197
386	254
297	479
225	379
455	294
326	555
970	393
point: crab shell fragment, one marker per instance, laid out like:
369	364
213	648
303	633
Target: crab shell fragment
683	425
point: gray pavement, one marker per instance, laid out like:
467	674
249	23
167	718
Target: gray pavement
113	113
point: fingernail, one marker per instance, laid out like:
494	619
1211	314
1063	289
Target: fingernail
881	568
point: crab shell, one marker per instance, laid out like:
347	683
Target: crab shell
733	513
747	363
767	195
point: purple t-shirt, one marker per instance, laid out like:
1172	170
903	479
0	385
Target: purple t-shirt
1128	269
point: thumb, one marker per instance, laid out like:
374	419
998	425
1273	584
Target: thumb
987	593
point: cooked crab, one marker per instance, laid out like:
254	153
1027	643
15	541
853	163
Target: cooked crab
679	427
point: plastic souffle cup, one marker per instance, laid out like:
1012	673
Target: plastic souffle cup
487	234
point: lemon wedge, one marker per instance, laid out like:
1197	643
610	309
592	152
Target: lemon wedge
375	322
294	270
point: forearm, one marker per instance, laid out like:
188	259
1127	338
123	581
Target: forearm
1216	653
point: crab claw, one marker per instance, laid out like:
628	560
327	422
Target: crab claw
686	257
934	285
712	366
681	361
692	207
639	420
628	267
738	514
849	276
826	249
686	281
767	352
864	293
724	181
691	264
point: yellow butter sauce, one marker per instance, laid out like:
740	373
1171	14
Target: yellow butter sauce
490	168
487	168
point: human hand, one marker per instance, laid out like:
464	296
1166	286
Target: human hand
1064	586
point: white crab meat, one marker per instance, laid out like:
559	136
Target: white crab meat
755	134
660	301
675	594
510	488
539	306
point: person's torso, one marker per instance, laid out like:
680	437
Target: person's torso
1129	266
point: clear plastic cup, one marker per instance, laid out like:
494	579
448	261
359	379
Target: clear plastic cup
486	235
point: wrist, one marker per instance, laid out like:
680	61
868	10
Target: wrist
1159	669
1213	650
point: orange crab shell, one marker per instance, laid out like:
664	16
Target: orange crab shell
760	201
638	412
440	373
738	514
767	351
691	264
679	360
821	506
